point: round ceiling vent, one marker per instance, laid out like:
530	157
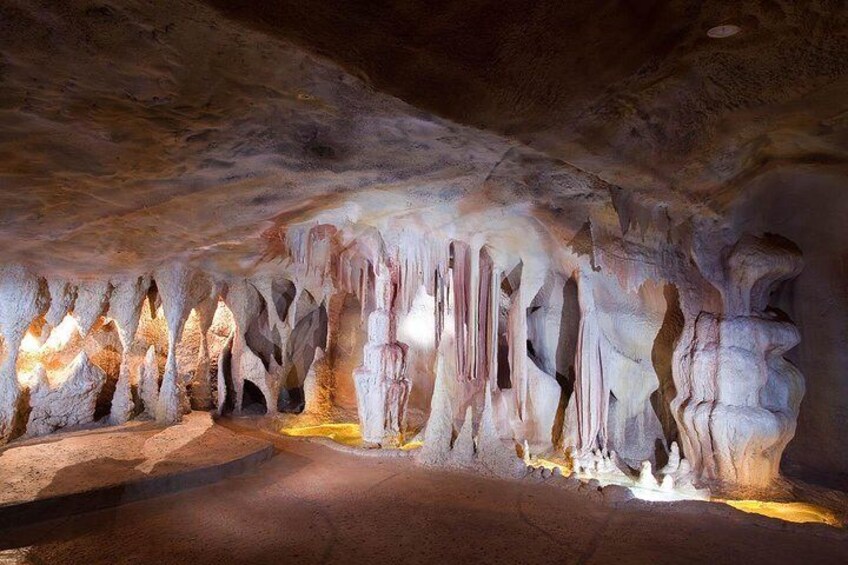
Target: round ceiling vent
720	32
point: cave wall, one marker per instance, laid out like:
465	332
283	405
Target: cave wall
671	337
811	209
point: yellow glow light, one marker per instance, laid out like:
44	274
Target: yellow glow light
538	462
345	434
411	445
798	512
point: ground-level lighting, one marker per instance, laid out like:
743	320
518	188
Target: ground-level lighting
342	433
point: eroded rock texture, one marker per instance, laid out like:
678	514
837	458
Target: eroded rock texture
68	400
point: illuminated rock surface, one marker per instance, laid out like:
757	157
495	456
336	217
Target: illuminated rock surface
492	236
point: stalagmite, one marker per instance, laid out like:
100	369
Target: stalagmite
439	431
125	309
21	300
68	399
646	477
464	450
224	360
382	387
248	366
245	302
495	457
148	382
316	397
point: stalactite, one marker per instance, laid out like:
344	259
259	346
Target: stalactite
517	341
91	303
62	298
125	309
180	288
201	389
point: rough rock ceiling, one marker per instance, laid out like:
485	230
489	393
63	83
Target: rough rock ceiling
634	91
130	134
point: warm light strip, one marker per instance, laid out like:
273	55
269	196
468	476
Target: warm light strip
344	433
798	512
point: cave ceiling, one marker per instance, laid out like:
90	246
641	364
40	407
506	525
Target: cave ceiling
133	132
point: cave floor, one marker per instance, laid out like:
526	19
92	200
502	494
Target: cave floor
314	504
137	453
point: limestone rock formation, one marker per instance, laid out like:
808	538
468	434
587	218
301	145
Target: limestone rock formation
148	383
201	389
91	303
125	309
66	399
738	398
180	288
21	299
382	387
594	219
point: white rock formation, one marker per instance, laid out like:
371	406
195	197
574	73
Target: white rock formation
246	303
738	398
180	288
62	297
316	396
91	303
148	383
382	387
21	300
516	360
201	390
66	399
224	358
438	434
125	309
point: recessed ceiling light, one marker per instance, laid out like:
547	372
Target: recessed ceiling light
720	32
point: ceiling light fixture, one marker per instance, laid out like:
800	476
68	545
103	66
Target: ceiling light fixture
720	32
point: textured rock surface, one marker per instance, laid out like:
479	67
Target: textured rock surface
21	300
68	400
593	228
125	309
382	387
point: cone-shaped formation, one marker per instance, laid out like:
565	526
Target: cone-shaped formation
125	309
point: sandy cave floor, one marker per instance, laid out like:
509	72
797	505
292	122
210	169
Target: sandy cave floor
314	504
79	461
